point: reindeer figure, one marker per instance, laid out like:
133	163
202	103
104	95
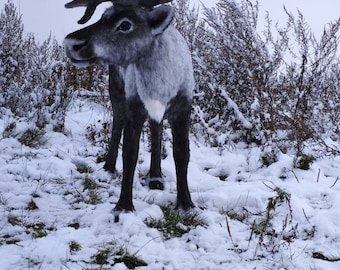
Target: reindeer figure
156	70
154	177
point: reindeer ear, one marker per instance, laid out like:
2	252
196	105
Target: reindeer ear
159	18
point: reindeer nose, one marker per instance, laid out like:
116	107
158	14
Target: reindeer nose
73	47
79	44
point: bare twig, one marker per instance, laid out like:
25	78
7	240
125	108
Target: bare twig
317	180
252	232
295	176
304	213
336	180
229	232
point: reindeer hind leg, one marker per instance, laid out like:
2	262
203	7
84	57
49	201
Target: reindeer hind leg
179	118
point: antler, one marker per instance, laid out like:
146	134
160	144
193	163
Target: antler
91	5
152	3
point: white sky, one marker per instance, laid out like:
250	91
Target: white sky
44	16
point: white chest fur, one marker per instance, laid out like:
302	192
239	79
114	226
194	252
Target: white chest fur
155	109
153	95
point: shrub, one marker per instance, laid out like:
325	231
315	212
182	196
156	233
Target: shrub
247	90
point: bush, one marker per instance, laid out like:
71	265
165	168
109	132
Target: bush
37	82
247	90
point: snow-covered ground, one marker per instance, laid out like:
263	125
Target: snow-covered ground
255	216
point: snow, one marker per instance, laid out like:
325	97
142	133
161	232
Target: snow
48	175
234	193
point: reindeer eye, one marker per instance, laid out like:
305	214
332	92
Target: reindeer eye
125	26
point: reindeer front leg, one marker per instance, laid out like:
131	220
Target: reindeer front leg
154	177
156	138
135	118
117	98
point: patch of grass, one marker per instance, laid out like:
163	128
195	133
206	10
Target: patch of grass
172	224
305	162
9	130
32	137
75	225
14	220
37	230
223	177
89	183
264	226
99	135
89	193
93	196
74	247
269	228
39	233
241	215
82	167
31	206
268	158
101	157
130	261
112	254
8	240
102	256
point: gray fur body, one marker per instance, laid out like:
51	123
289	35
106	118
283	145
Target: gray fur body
156	69
160	74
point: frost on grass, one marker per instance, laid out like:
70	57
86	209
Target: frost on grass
173	223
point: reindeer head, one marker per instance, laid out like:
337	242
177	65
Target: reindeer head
125	32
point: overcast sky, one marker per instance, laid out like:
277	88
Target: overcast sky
44	16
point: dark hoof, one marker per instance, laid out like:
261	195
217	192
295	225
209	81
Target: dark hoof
112	170
109	167
116	218
118	210
156	183
153	182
